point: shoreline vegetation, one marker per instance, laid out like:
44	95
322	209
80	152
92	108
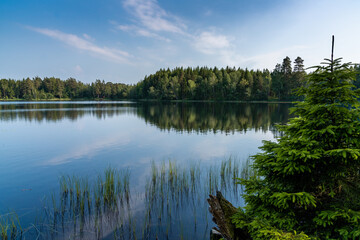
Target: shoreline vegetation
179	84
146	100
307	182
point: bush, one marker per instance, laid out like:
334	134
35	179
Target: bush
308	182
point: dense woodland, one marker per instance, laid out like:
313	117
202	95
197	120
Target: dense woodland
200	83
223	84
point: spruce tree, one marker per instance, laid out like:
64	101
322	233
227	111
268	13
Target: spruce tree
299	65
307	183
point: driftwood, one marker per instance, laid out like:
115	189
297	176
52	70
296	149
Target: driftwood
222	211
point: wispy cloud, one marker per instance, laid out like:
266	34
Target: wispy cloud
218	46
150	15
150	20
84	44
139	31
87	37
210	42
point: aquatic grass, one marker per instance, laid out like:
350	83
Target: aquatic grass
10	226
64	187
13	231
126	183
174	198
154	173
98	193
77	184
247	171
170	192
107	192
109	186
4	227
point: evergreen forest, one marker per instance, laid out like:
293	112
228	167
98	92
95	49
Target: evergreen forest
200	83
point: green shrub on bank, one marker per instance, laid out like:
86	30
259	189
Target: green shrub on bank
308	182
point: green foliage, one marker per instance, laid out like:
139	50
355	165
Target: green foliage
213	84
308	182
55	88
178	84
285	80
10	227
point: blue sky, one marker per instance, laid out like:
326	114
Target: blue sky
124	40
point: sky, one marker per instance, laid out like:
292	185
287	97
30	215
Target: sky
125	40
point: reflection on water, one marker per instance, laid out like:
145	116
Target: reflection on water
41	141
50	111
213	117
198	117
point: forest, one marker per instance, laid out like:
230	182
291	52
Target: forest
200	83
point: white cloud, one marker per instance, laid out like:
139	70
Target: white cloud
124	27
218	46
139	31
84	44
150	15
211	43
146	33
151	20
88	37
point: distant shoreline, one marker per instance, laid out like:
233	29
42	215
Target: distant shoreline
145	100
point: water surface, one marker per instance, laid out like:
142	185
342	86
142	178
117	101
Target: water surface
41	141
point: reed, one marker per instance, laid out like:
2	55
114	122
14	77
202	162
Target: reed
174	199
98	193
126	184
247	171
64	188
10	227
109	186
4	227
13	231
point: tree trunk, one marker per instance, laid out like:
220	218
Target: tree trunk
222	211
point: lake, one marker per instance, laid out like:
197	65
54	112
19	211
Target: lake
164	158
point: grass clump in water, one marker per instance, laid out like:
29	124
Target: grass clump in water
174	199
10	227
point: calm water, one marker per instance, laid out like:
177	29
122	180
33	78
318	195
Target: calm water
41	141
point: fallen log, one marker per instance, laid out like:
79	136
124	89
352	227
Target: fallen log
222	211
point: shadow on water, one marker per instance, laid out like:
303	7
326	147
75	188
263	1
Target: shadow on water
172	206
189	117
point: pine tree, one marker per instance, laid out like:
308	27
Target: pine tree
298	76
286	77
299	65
307	184
277	82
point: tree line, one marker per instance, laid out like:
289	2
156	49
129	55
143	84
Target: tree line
223	84
55	88
200	83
